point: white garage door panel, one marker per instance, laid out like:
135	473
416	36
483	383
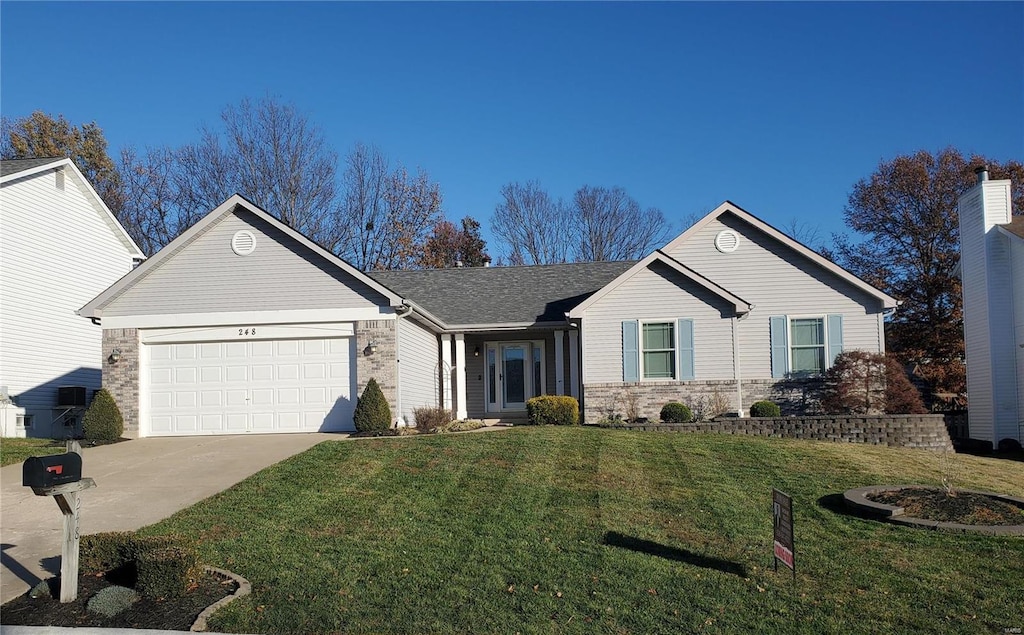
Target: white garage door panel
254	386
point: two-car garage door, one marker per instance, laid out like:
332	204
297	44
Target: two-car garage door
255	386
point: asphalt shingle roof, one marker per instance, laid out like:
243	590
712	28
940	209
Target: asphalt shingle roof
12	166
1016	226
502	295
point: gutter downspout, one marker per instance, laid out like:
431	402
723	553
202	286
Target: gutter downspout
736	366
399	314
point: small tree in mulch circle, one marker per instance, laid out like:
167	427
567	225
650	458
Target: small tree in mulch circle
103	420
373	414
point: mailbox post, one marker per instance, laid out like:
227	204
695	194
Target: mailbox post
60	476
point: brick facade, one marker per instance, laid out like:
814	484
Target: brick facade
794	396
121	378
379	365
905	431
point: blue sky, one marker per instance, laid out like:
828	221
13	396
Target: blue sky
780	108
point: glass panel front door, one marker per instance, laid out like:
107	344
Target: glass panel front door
514	378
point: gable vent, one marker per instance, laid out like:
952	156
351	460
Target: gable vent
243	242
727	241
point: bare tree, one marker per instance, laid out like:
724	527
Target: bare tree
281	161
610	225
386	215
532	227
805	232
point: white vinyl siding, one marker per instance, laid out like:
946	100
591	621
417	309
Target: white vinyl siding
777	281
206	276
58	250
417	367
655	294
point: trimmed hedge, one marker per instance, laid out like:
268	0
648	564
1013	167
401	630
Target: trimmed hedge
166	572
675	412
103	420
558	410
372	414
765	409
157	566
103	552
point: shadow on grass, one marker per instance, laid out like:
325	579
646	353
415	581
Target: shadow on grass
835	503
615	539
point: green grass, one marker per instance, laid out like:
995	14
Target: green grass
17	450
541	530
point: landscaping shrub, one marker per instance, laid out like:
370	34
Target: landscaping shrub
765	409
112	600
166	572
462	425
553	410
429	419
103	552
103	420
675	412
860	382
372	412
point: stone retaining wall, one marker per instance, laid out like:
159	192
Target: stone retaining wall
905	431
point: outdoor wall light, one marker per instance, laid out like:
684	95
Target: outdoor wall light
115	356
476	352
372	346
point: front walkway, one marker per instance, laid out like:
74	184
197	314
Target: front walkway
137	483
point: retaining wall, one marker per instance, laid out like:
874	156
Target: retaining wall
906	431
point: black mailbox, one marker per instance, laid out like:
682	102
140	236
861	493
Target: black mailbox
47	471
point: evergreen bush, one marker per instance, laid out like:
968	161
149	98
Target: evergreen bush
765	408
559	410
166	572
373	414
103	420
675	412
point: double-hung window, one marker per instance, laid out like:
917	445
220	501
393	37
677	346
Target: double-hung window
804	345
807	345
659	350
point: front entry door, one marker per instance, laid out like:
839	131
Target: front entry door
513	377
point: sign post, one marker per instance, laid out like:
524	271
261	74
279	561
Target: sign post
782	519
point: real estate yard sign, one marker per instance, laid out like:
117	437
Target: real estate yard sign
782	519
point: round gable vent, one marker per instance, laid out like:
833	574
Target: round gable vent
727	241
243	242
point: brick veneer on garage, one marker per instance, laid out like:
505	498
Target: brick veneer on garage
121	379
379	365
907	431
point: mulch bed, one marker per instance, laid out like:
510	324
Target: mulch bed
965	508
167	614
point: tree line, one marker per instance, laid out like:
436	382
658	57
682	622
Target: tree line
377	214
372	212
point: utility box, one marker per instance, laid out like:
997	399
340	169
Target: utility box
47	471
71	397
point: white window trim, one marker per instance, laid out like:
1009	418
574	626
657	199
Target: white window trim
675	348
825	343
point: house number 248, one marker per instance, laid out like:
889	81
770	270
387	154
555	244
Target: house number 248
243	332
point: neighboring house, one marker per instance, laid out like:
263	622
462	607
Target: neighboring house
244	325
59	247
992	271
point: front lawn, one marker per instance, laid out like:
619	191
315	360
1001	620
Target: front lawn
586	530
17	450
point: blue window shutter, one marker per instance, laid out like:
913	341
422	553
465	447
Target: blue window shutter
686	349
835	337
630	351
780	346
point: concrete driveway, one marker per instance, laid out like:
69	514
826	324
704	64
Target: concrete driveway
137	483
